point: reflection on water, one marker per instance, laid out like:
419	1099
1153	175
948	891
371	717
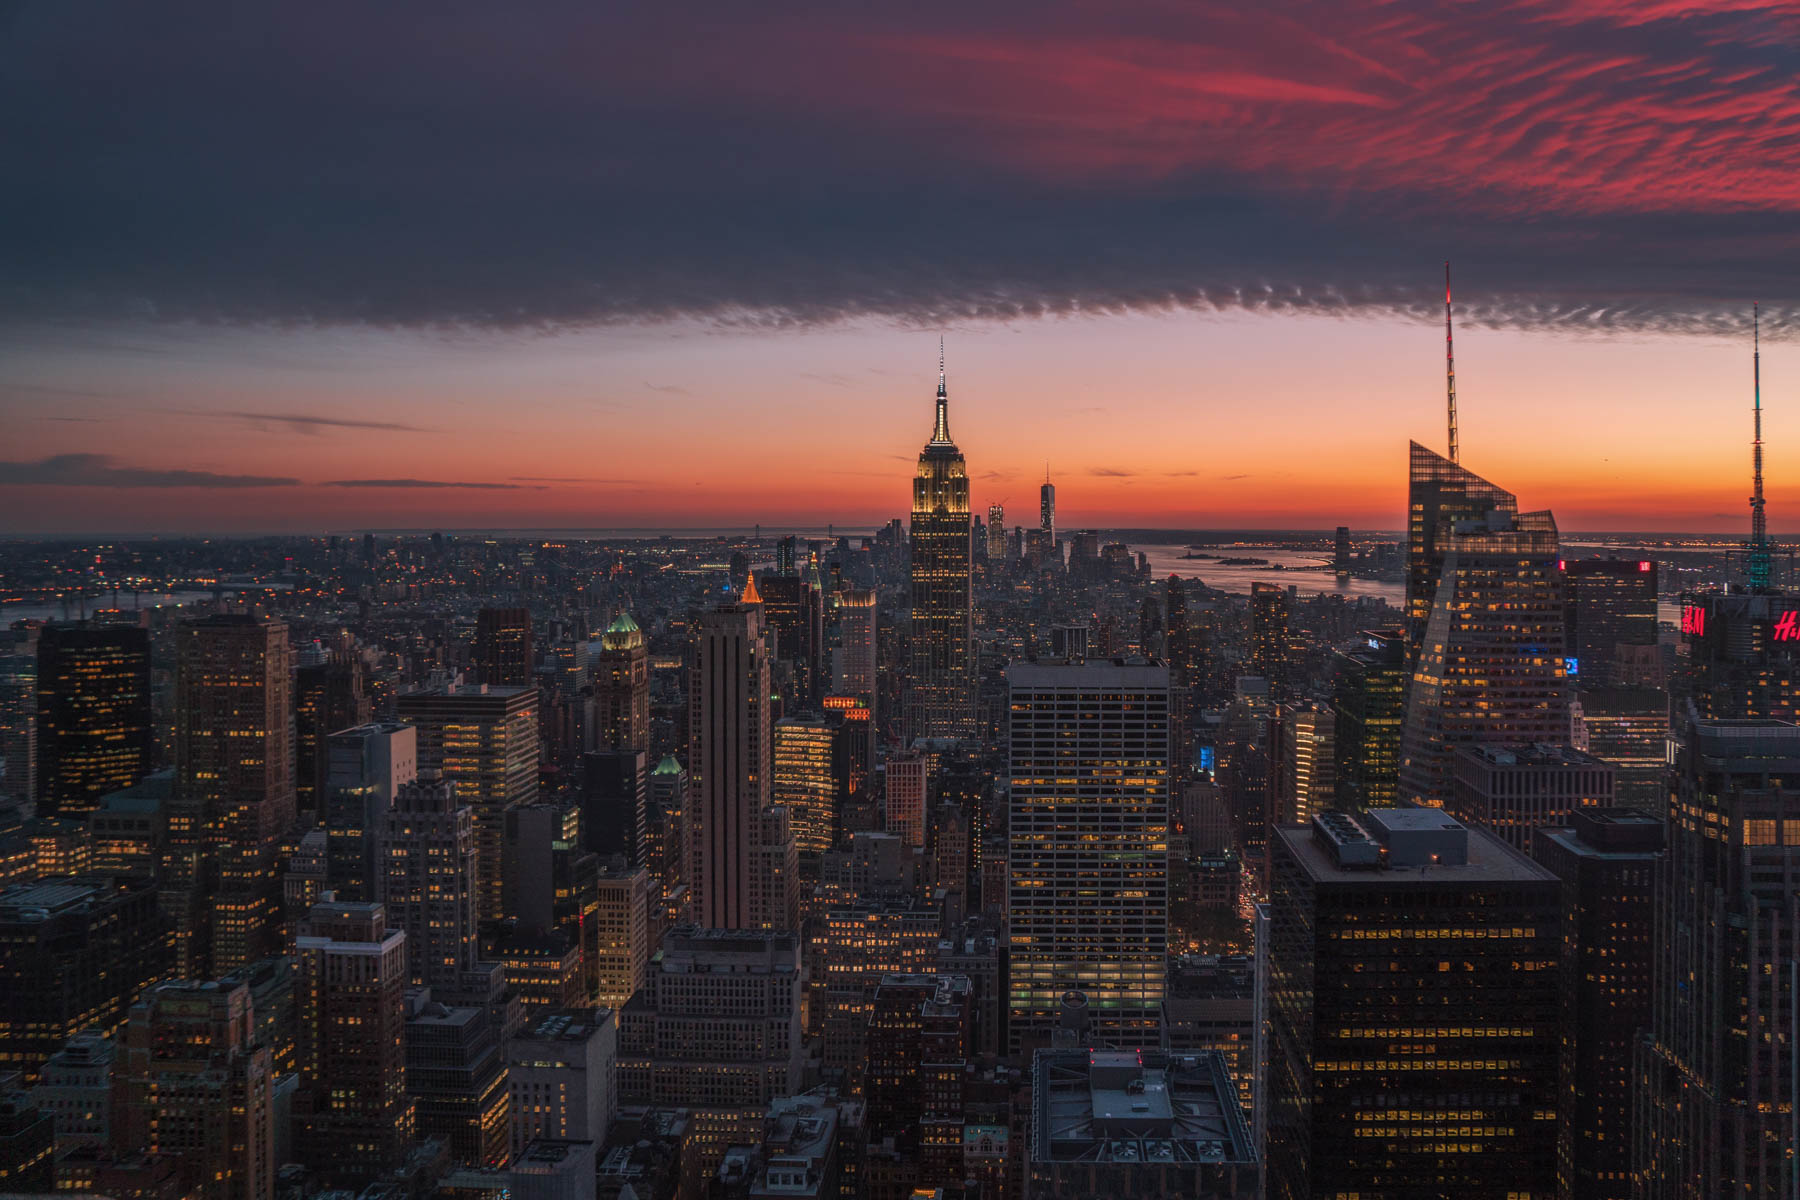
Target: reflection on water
95	603
1310	572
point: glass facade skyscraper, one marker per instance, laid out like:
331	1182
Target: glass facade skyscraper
1439	494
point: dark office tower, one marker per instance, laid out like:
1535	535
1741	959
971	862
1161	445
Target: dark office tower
1178	652
503	656
1489	670
1340	550
1089	841
93	715
1047	509
1743	655
941	699
730	759
1717	1077
456	1074
1413	1012
1368	699
1439	494
665	851
428	884
352	1117
234	791
787	555
919	1039
368	548
855	673
1607	860
191	1084
1511	791
793	617
1611	603
484	740
1269	636
328	696
615	803
76	953
18	721
622	688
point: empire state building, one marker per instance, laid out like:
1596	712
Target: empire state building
941	702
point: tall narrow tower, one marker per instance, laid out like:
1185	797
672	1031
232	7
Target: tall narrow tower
941	702
1761	562
1449	363
1047	509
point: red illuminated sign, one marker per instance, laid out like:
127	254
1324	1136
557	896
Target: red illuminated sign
1643	566
844	703
1693	620
1787	627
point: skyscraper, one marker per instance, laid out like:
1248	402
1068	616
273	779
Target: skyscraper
1439	494
426	881
856	652
622	688
1611	608
1047	510
805	782
1269	636
484	740
941	700
234	790
1368	702
503	651
328	696
1607	860
1089	823
907	777
93	715
1413	1011
1489	668
18	721
730	758
354	1119
364	767
1717	1078
996	533
1308	762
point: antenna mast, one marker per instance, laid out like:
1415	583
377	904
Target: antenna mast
1449	362
1760	558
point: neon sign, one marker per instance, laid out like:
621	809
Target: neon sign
1643	566
1573	665
1693	620
1787	627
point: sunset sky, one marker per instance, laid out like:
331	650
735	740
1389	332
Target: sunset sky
449	265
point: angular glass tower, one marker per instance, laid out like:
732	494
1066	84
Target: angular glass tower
1439	494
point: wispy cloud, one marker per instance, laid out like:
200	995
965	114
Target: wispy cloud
672	389
426	483
574	479
98	470
1112	472
313	424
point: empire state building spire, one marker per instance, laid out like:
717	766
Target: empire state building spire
940	434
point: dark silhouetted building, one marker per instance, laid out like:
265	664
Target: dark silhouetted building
1368	703
1511	790
94	731
503	653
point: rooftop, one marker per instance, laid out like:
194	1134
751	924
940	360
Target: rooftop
1488	859
1135	1106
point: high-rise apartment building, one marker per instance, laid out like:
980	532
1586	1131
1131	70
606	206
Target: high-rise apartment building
484	739
907	777
622	941
805	782
941	697
503	651
1088	834
1608	861
1717	1078
234	791
1489	669
364	767
94	733
730	761
622	688
1440	493
195	1087
428	883
1269	636
352	1116
1440	1078
1368	704
856	650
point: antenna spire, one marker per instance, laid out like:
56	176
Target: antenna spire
1761	561
940	434
1449	361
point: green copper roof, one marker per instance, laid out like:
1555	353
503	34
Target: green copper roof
623	624
668	766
